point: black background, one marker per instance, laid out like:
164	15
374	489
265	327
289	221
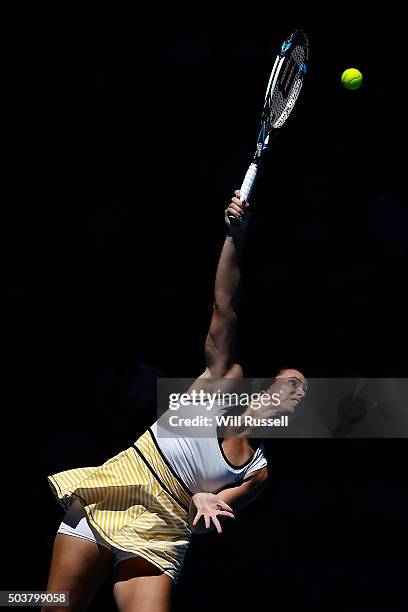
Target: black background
129	133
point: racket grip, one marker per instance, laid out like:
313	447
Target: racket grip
246	189
249	181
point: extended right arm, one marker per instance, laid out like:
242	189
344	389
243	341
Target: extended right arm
220	345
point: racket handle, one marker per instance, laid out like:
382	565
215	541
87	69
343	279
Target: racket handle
246	189
249	181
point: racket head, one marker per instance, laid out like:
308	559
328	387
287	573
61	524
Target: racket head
284	85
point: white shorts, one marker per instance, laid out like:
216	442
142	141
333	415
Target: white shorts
75	524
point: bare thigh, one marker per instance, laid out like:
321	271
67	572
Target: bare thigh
140	585
78	566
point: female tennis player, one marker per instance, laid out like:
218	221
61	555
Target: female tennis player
138	510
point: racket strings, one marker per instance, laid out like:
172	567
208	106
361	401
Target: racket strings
289	83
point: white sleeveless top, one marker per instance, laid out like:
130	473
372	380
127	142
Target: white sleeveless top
200	462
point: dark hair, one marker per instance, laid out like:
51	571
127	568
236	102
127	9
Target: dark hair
262	384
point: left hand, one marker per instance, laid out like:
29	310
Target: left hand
209	507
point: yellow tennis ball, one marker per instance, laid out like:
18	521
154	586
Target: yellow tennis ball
351	78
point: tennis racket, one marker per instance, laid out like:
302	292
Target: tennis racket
284	85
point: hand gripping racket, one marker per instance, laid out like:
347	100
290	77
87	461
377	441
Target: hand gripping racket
282	92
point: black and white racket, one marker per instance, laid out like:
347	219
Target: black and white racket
282	92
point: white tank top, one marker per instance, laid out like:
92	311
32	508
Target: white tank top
200	463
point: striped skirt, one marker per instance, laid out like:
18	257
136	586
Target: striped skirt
135	502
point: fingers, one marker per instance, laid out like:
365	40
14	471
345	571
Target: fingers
212	517
206	519
217	524
237	195
240	203
225	506
224	513
236	208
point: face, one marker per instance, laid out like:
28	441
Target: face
291	387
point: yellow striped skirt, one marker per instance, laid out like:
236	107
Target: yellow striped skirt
135	502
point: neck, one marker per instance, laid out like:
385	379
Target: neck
235	431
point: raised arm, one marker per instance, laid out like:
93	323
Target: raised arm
220	345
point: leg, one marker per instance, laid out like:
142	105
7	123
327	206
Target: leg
78	566
140	585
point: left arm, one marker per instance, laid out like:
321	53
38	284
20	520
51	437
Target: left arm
247	491
211	508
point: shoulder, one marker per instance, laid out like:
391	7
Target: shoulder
257	477
262	474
